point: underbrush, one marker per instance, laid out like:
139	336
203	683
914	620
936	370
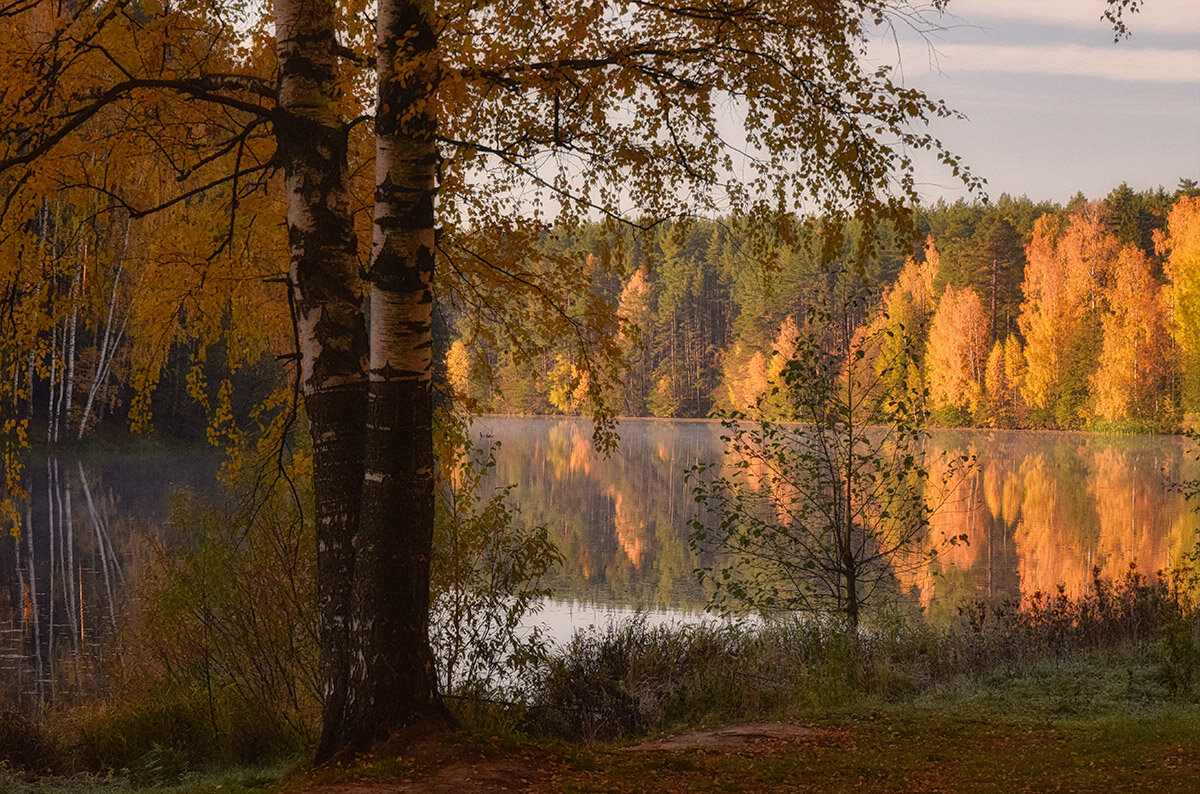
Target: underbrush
216	662
1126	643
1122	648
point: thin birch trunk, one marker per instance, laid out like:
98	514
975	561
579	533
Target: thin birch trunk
50	413
106	353
29	401
69	384
108	364
55	383
327	295
61	399
395	684
69	342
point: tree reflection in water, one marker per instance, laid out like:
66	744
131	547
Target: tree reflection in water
82	543
1041	509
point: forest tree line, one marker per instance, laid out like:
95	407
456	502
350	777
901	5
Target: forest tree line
1021	314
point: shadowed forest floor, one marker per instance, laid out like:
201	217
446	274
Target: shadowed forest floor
906	750
913	751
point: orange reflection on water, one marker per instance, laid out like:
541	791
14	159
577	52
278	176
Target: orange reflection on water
1054	539
1070	505
628	528
569	450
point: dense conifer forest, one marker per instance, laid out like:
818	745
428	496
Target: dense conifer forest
1023	314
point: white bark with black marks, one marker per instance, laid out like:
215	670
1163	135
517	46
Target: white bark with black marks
327	295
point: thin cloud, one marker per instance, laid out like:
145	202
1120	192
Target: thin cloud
1125	64
1177	17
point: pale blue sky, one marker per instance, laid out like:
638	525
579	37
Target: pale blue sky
1054	106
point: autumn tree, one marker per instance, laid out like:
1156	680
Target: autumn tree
907	308
488	123
819	513
634	309
1135	364
1065	281
1003	379
997	388
753	386
957	355
1181	243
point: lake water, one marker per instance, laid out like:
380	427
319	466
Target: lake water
86	535
1040	510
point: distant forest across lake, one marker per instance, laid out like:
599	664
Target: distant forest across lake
1021	314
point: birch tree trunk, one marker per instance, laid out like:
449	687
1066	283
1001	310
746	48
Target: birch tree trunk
394	682
108	348
327	292
51	413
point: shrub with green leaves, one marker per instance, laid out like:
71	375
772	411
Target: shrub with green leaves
488	570
816	514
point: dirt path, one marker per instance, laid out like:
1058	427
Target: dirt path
914	752
445	767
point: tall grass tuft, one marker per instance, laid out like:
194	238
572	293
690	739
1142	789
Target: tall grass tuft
24	743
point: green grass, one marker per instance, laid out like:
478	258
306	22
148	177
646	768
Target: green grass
1094	722
1011	734
1097	694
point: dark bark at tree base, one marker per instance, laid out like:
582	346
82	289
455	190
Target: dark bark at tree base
403	741
392	683
339	443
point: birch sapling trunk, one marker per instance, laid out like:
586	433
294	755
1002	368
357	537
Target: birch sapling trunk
327	291
51	414
69	350
394	682
31	383
108	348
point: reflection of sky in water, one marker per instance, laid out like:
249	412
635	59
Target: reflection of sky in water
559	620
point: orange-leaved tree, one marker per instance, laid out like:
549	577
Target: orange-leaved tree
1134	368
1065	280
1182	245
957	354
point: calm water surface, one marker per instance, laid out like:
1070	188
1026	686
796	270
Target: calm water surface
1041	510
86	535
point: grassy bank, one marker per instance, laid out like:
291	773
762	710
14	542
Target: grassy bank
915	750
1137	640
1102	690
895	748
